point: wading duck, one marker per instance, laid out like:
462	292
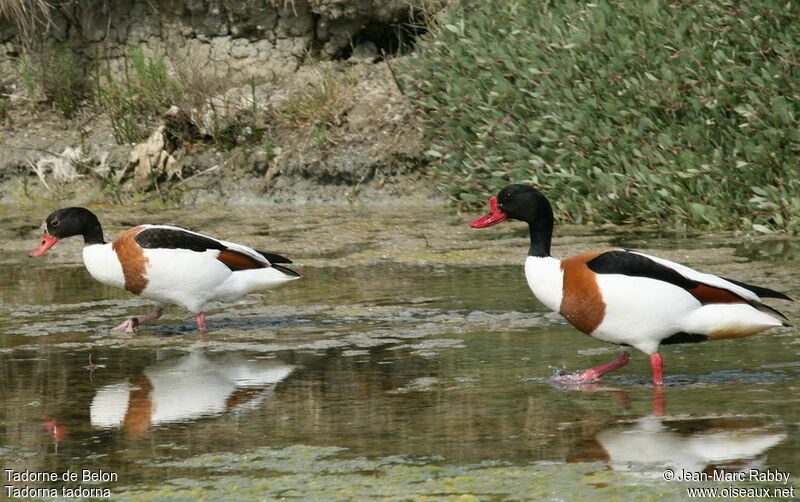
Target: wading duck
628	298
169	265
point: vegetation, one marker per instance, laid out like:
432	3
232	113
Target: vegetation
671	113
55	75
29	16
322	102
5	104
135	98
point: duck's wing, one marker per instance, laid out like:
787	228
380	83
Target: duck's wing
234	256
760	291
707	288
274	258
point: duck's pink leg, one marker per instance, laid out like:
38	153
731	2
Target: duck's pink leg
201	326
594	374
201	322
657	363
658	400
132	325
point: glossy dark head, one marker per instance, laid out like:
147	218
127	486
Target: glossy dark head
524	203
68	222
517	202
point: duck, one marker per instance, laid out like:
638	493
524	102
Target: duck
626	297
185	388
167	264
647	445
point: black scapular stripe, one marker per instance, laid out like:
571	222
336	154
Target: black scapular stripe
173	238
636	265
633	264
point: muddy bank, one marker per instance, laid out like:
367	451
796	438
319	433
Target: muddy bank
360	143
210	102
398	231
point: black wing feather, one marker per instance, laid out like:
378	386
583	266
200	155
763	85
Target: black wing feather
286	270
175	238
761	292
274	258
636	265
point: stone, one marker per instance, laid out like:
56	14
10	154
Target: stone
151	161
361	117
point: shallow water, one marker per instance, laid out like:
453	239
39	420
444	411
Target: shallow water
412	366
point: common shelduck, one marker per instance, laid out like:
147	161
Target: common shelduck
185	388
650	444
169	265
626	297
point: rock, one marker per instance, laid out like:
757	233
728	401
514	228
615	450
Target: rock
235	30
152	162
361	117
366	52
263	95
55	170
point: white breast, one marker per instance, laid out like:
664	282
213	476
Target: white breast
546	280
102	263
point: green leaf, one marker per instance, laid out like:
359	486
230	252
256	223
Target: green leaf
468	197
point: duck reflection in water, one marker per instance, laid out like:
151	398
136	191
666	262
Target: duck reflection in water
650	444
54	429
185	388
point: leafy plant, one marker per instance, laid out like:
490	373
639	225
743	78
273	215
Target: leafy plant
137	95
55	73
5	105
665	113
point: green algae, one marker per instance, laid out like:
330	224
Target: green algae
325	473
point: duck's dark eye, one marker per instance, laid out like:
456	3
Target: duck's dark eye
55	223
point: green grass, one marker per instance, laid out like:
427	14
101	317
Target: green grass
322	102
662	113
136	97
57	74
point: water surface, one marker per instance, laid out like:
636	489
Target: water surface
410	361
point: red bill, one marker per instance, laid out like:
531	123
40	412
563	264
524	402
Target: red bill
47	243
493	217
